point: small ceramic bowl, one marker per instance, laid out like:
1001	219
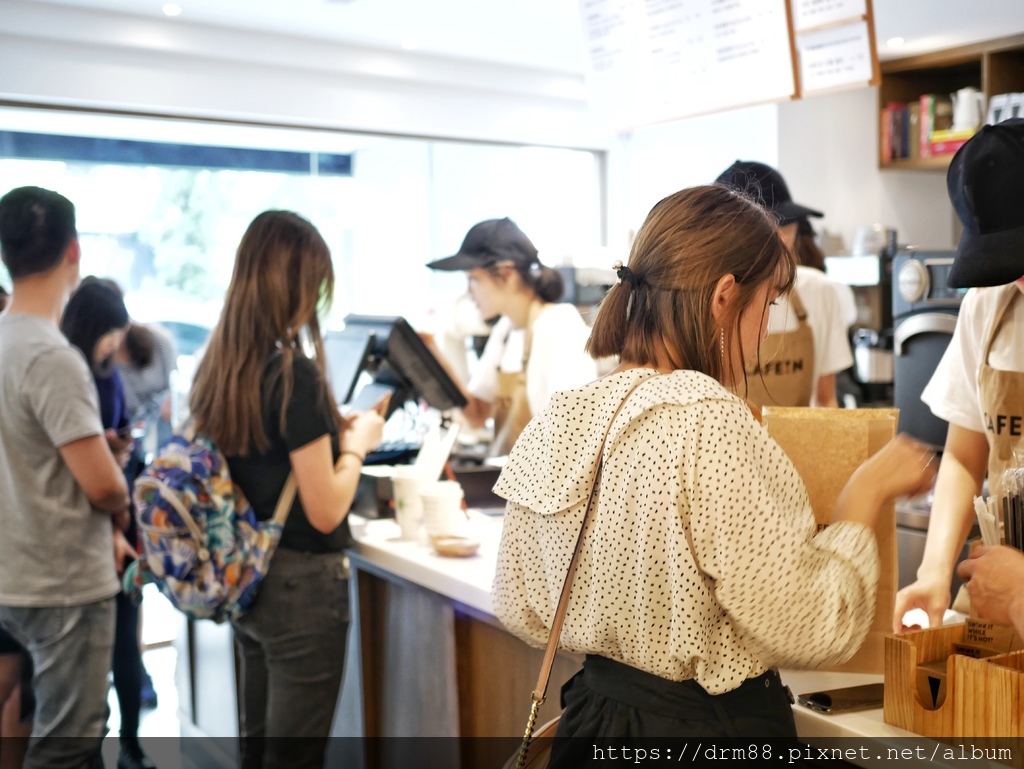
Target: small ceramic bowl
455	547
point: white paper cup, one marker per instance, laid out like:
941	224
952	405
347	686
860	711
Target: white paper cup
442	508
406	484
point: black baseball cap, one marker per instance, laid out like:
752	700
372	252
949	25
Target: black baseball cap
767	187
490	242
986	186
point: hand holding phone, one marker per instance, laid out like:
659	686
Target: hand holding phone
381	406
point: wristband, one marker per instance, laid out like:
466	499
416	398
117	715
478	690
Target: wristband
356	454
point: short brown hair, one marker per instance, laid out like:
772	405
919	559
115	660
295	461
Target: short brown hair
689	241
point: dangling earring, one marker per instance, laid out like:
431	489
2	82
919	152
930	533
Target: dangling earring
721	347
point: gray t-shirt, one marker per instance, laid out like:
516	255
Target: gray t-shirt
145	387
55	549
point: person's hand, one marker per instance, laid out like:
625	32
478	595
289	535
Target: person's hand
902	467
120	445
995	582
930	595
363	431
123	551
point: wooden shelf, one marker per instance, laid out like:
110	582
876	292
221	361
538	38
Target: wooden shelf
992	67
937	163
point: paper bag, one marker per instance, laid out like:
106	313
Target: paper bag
827	445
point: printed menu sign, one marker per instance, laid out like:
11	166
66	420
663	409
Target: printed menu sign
835	42
808	14
835	57
657	60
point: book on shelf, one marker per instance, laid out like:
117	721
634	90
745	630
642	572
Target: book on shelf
935	113
914	130
885	136
898	129
946	142
953	135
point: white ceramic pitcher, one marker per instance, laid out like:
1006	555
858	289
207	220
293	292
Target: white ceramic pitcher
968	109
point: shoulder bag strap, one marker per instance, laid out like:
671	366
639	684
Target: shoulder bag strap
540	691
284	502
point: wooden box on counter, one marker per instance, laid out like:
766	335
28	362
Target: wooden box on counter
981	697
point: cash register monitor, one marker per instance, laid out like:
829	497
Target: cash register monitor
346	352
400	363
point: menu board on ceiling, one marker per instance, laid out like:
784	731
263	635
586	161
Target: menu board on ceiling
657	60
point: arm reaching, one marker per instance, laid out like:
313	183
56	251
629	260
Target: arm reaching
964	462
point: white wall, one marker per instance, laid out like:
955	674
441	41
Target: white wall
655	161
828	153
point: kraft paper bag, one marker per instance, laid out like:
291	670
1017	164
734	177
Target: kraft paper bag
826	446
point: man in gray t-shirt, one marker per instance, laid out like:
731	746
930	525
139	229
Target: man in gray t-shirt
61	490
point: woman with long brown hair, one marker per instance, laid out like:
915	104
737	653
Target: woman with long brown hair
268	408
700	565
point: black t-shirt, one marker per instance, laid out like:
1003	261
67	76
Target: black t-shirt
261	477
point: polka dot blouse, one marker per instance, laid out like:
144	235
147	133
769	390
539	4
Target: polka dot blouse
701	559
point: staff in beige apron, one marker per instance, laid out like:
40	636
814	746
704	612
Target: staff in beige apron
788	370
986	186
782	372
507	280
511	408
1002	402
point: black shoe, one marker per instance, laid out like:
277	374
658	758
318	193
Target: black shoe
132	757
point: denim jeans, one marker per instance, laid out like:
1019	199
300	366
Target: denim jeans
70	648
292	650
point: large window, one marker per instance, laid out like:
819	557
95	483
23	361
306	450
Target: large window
161	212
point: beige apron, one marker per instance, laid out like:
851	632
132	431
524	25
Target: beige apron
511	409
782	373
1002	403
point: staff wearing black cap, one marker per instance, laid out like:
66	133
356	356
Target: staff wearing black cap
807	343
537	346
978	386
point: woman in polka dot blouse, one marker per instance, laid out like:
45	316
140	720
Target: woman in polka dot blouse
701	566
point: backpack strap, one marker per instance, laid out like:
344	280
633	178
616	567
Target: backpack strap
284	502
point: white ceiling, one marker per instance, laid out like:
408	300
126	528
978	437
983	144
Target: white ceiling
536	33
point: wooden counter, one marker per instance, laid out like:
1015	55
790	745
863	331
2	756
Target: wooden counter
435	662
429	658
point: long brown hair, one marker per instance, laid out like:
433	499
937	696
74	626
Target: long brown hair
282	276
688	242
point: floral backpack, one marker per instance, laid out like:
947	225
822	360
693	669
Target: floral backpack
200	541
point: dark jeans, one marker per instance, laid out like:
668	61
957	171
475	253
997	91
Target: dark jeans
610	700
127	666
292	649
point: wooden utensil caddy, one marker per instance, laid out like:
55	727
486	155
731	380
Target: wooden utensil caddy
982	696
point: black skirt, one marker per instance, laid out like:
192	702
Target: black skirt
608	700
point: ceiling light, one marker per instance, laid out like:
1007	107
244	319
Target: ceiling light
410	44
895	42
171	9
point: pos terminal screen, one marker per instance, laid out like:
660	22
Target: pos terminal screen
346	353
